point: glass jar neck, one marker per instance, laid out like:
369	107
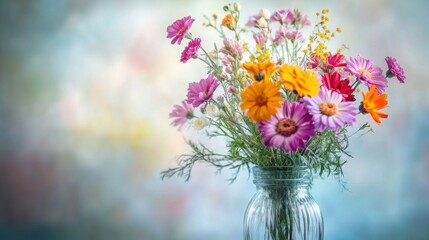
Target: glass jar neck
282	177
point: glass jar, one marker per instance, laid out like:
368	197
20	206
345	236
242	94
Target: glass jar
283	208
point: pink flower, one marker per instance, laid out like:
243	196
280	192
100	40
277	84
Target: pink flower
177	31
337	60
283	16
259	38
232	48
181	114
395	70
280	36
190	50
199	92
366	72
253	20
329	111
303	19
289	128
332	81
295	35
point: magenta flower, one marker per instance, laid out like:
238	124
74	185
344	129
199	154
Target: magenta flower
177	31
181	114
199	92
289	128
283	16
395	70
366	72
190	50
329	111
337	60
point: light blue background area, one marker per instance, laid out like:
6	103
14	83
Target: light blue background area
85	92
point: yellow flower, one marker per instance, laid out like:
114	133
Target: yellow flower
372	102
260	71
304	83
261	99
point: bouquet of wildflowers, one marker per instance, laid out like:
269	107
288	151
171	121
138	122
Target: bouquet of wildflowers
279	96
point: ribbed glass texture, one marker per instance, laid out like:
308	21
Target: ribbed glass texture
283	208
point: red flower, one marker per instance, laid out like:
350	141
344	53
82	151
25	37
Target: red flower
336	60
332	81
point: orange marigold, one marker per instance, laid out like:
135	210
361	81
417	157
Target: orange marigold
261	100
372	102
260	71
229	22
304	83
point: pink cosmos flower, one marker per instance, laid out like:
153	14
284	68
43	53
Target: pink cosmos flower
289	128
177	31
283	16
395	70
181	114
199	92
366	72
295	35
329	111
190	50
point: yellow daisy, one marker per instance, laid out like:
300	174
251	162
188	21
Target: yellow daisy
304	83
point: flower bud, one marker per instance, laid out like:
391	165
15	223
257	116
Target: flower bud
262	23
264	13
237	7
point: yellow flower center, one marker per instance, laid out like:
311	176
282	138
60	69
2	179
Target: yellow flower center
261	100
286	127
364	71
328	108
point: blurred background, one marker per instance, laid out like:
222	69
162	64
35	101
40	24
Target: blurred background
85	92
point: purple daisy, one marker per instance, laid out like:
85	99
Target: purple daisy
181	114
395	70
177	31
329	111
199	92
289	128
366	72
190	50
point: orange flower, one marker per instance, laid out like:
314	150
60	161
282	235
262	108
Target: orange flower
261	99
260	71
372	102
229	22
304	83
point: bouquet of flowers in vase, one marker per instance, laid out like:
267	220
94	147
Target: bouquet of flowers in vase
276	92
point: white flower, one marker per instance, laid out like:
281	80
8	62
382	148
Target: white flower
264	13
262	23
200	123
212	110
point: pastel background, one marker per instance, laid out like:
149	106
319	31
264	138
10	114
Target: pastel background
85	92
